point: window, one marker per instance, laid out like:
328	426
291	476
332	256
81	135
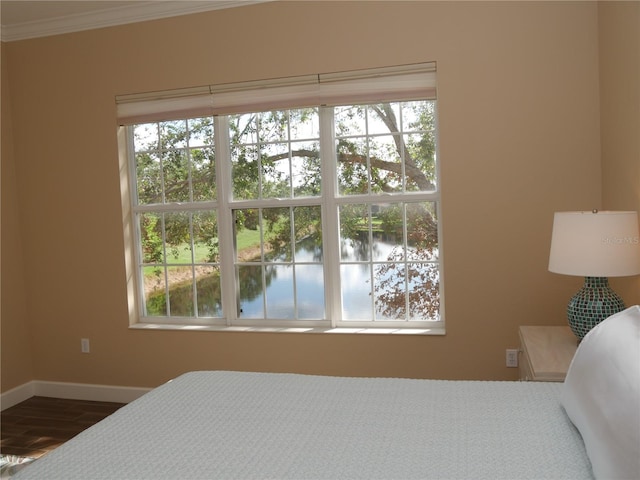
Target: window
298	204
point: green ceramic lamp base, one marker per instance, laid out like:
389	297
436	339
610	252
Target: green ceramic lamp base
594	302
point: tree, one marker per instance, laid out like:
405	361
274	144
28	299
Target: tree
277	154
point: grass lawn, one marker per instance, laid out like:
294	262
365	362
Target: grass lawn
245	239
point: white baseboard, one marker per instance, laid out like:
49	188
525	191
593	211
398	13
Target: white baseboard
76	391
16	395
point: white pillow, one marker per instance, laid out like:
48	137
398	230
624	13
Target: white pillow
601	395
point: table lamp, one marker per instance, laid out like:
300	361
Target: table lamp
595	245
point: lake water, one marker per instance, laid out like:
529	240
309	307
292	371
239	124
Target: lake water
306	284
285	291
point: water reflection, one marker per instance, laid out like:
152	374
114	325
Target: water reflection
278	299
268	291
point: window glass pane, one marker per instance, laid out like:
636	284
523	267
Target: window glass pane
424	291
275	154
203	174
205	236
154	286
420	146
390	291
180	291
250	293
173	134
419	157
356	292
177	227
305	169
244	171
390	149
168	172
310	292
181	275
276	170
208	291
279	293
385	164
304	124
200	132
277	244
422	230
308	234
353	166
355	225
350	120
175	171
387	231
243	145
148	178
383	118
405	272
273	126
145	137
423	269
248	235
282	268
150	225
243	129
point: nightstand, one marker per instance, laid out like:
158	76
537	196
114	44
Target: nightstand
546	353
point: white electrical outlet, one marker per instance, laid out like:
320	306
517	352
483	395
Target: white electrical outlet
84	345
512	357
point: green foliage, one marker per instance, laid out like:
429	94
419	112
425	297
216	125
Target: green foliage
412	271
391	219
181	299
151	239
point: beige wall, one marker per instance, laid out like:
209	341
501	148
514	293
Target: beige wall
619	26
16	355
519	139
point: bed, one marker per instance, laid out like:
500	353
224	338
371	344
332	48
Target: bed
244	425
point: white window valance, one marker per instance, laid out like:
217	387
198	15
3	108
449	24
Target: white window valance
407	82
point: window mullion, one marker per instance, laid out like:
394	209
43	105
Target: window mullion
131	218
229	295
165	267
194	277
330	229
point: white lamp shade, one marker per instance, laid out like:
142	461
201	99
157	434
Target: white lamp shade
595	244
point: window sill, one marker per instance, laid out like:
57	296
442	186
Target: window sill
339	330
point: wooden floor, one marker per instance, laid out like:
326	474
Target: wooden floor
40	424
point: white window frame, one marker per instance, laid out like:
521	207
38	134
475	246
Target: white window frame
171	106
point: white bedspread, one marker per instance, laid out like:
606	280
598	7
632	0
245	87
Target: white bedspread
218	425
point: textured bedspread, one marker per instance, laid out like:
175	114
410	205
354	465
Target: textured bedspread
215	425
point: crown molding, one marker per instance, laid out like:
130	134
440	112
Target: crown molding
139	12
